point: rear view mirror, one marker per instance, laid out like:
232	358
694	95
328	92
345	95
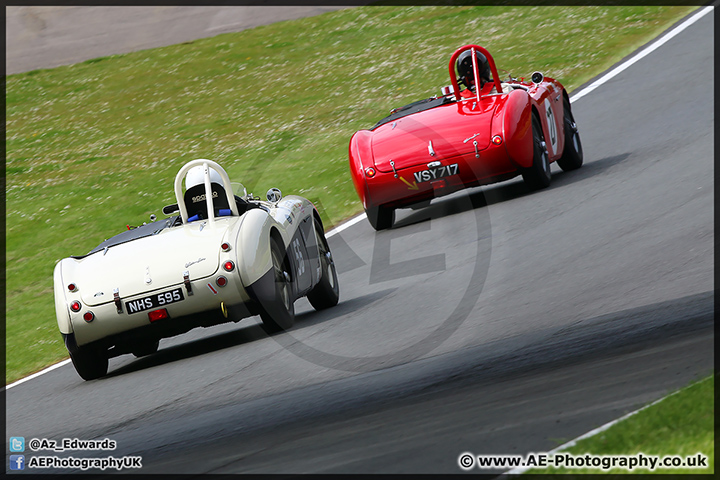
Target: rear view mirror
274	195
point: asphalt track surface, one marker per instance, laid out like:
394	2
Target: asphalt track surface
495	321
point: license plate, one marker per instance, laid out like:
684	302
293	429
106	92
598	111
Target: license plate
435	173
154	301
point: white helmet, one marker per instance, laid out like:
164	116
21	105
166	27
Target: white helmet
196	176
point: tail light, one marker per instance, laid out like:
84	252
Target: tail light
229	266
158	314
75	306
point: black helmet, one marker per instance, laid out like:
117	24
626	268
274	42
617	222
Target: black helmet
464	65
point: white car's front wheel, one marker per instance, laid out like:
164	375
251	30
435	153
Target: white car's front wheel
327	292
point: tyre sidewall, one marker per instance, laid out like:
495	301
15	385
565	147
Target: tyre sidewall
327	292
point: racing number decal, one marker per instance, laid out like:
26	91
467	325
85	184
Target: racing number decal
298	256
552	129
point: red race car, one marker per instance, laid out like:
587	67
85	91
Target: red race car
488	132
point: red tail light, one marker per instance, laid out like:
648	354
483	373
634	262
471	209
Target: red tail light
75	306
229	266
158	314
221	281
370	172
225	247
497	140
88	316
72	287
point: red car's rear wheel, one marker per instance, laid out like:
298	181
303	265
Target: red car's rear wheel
381	218
572	157
538	175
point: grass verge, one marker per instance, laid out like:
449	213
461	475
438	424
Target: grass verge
95	146
682	425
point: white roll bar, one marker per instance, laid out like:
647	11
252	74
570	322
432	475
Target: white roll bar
206	164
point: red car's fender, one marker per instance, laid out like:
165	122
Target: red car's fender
549	106
360	153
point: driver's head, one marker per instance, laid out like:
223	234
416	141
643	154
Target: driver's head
464	65
196	176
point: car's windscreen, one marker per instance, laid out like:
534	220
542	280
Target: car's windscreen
133	234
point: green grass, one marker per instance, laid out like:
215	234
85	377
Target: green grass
682	424
94	146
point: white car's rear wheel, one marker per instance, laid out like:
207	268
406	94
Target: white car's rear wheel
146	348
90	363
279	313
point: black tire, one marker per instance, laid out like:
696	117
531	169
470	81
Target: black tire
146	348
572	157
327	292
90	363
538	175
381	218
279	314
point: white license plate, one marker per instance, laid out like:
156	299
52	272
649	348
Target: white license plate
154	301
435	173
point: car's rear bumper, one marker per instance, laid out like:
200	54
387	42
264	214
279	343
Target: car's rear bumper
493	165
127	341
207	298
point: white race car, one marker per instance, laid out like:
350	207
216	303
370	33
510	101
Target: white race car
220	257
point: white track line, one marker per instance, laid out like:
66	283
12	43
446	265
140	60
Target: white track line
575	97
664	39
41	372
345	225
591	433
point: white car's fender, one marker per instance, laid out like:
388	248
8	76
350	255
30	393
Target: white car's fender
253	246
61	301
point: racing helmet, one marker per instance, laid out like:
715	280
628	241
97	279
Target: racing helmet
195	193
196	176
464	65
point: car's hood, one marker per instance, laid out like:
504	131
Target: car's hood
439	133
151	263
